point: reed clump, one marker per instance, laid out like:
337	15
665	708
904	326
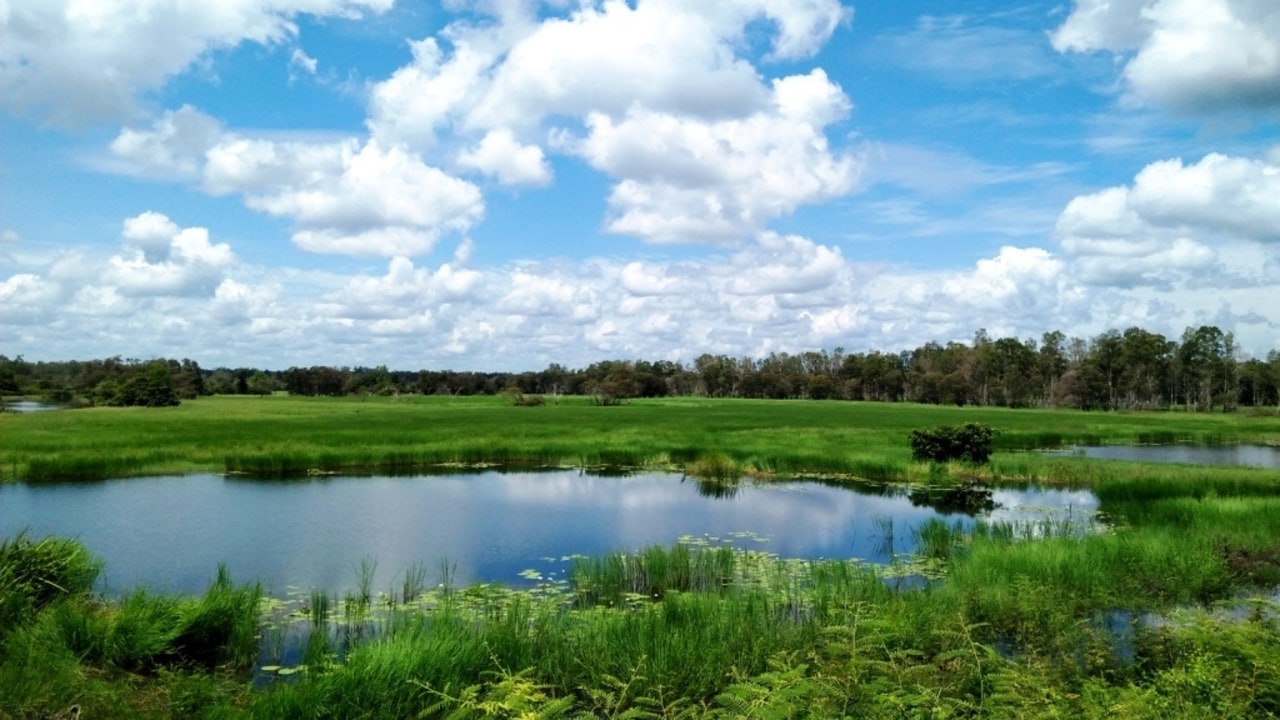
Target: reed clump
145	655
61	468
35	573
616	578
714	467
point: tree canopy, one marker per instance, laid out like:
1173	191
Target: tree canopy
1134	369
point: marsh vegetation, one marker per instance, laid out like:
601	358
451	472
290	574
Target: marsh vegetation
997	619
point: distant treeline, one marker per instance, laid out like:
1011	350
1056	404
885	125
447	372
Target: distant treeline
1130	370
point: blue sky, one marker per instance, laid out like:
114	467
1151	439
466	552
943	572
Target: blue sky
502	184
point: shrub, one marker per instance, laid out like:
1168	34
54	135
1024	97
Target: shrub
970	442
519	399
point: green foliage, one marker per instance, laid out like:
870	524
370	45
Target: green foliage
152	388
937	540
513	695
970	442
149	385
143	656
784	692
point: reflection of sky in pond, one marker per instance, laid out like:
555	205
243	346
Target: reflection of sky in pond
1017	505
1027	511
171	532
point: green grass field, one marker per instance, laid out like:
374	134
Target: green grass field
283	435
1170	614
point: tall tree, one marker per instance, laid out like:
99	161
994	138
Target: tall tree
1146	362
1052	362
1204	369
1106	356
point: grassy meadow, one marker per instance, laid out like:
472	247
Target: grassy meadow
1172	613
282	435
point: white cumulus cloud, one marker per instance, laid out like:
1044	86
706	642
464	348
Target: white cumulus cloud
1187	54
167	260
172	148
379	201
344	196
83	61
499	154
1168	225
683	179
701	146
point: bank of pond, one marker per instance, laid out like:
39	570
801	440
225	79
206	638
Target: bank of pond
568	594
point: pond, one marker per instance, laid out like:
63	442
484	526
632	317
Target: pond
28	406
170	533
1261	456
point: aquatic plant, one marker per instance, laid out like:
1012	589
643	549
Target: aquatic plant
415	582
937	540
650	574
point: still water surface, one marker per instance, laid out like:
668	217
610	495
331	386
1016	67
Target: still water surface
1262	456
27	406
170	533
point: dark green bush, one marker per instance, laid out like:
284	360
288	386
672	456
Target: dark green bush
970	442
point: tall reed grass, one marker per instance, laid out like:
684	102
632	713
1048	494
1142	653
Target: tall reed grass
614	579
35	573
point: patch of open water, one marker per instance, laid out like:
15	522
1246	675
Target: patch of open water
1261	456
170	533
29	406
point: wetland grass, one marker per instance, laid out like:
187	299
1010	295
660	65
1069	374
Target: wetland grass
729	630
1007	626
282	436
79	650
617	578
714	467
35	573
938	540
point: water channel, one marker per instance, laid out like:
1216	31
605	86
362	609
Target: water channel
170	533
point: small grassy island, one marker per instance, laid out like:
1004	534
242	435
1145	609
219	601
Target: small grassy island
1170	612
